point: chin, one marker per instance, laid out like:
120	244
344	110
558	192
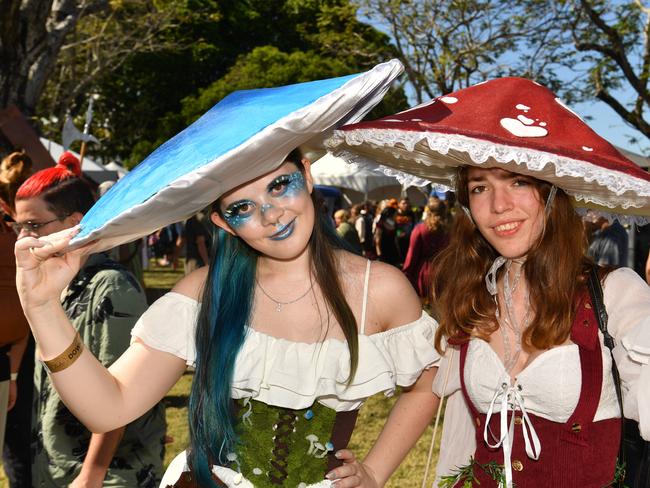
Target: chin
511	250
512	253
288	250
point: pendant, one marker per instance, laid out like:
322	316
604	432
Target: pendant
278	307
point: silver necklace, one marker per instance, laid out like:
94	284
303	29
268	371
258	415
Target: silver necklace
511	353
279	304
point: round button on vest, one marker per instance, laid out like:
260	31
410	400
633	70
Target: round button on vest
518	420
517	465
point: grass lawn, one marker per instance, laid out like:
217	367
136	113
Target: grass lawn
369	423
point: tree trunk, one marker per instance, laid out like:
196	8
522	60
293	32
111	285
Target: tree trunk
31	35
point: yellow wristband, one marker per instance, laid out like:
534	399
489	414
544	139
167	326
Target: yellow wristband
67	357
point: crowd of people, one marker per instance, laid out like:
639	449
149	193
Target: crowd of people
292	318
396	232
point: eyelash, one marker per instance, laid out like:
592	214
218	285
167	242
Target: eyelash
279	185
234	210
279	181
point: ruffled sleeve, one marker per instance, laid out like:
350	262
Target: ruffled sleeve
627	301
169	325
409	349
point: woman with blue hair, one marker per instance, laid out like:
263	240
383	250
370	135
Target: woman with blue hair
289	334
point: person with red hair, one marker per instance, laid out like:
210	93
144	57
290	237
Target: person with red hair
103	302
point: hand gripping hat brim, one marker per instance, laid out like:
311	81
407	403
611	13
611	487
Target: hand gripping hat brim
244	136
512	123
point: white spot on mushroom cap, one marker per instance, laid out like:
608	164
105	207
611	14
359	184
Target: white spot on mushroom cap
521	106
561	103
516	128
543	124
525	120
449	100
587	148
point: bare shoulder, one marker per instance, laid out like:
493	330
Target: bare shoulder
392	301
192	284
351	264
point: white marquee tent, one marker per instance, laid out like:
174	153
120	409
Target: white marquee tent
360	184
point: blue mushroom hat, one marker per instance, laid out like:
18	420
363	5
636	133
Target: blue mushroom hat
244	136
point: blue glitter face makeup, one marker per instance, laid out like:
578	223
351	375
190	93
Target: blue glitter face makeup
287	185
278	191
238	213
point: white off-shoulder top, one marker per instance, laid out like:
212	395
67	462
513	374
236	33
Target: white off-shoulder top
549	386
294	375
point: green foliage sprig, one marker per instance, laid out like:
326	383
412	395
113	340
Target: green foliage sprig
465	475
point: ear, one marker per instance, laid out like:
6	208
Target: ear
74	218
220	222
309	180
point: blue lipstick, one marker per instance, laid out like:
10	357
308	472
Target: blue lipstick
284	232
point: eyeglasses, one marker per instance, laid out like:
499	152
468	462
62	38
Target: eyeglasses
29	226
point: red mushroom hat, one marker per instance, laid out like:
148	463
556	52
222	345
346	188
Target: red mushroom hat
512	123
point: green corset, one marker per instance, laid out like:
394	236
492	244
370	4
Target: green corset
284	447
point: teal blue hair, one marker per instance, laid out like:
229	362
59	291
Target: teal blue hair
221	329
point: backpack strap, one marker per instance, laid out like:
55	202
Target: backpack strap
596	292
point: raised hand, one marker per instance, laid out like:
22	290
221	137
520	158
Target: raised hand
44	267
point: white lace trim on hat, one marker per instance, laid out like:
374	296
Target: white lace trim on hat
618	185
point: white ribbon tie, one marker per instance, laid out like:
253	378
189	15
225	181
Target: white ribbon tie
509	397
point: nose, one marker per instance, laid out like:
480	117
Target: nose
501	200
271	214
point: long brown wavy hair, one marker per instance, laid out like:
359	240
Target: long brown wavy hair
436	215
555	270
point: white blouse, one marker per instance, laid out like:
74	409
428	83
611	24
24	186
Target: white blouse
294	375
550	385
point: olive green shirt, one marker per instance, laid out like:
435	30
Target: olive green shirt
103	303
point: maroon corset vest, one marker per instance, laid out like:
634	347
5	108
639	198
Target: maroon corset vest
578	453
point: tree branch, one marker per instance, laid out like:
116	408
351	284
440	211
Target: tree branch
617	52
630	117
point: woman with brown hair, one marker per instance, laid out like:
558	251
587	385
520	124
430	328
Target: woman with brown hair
528	367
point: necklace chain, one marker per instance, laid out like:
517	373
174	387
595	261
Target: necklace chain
511	353
279	304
